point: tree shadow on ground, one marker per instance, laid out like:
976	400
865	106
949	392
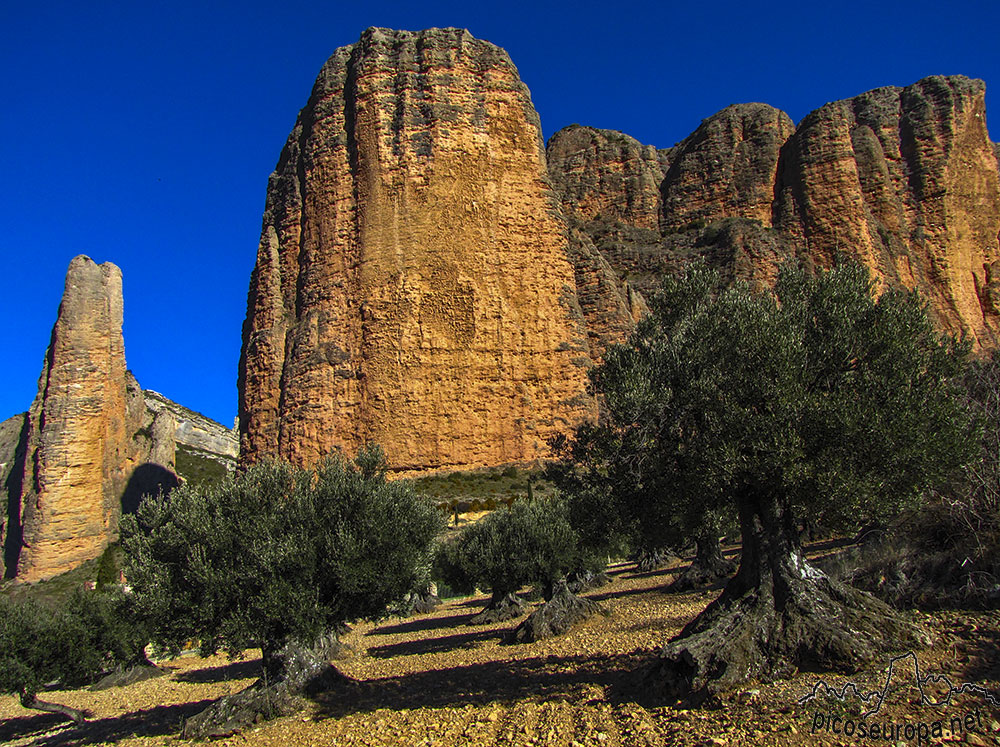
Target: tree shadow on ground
672	571
160	721
235	670
434	645
571	678
983	649
416	626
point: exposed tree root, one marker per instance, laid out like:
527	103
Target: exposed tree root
294	673
586	580
122	677
804	620
652	561
421	603
556	616
709	567
76	715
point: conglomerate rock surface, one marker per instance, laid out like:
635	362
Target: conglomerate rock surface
77	440
93	442
902	179
414	285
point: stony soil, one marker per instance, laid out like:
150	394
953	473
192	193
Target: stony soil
432	680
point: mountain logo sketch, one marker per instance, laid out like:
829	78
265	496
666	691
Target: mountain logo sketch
875	699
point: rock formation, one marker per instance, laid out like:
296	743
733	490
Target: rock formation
413	284
726	168
77	441
902	179
905	180
93	443
198	443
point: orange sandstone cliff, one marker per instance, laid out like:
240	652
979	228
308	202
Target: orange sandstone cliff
93	443
415	283
430	279
902	179
76	436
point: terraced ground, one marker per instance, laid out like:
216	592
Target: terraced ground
432	680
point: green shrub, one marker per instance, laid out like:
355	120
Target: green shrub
525	543
277	554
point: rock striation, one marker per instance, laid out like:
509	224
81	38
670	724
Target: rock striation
413	284
902	179
76	440
93	442
905	179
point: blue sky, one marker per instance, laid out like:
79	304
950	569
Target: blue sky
143	132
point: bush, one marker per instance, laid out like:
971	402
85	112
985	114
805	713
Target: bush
277	554
947	553
511	547
72	644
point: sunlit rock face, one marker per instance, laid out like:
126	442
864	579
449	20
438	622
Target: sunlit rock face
904	179
901	179
93	443
76	437
413	284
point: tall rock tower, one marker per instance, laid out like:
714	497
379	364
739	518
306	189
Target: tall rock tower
76	441
413	284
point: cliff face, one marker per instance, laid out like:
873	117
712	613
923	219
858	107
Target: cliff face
93	443
413	286
726	168
607	177
903	179
76	441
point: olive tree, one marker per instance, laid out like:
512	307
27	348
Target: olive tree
277	557
818	397
71	642
528	542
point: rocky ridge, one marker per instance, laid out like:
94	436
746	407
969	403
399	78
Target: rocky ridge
413	286
902	179
196	435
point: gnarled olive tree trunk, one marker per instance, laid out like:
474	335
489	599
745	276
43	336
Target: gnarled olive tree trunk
709	566
291	672
502	606
777	615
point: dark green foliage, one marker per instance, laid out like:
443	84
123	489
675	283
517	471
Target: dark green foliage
487	485
817	399
525	543
114	629
40	645
819	394
109	566
70	644
946	553
276	554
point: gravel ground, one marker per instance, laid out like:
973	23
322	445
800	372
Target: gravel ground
433	680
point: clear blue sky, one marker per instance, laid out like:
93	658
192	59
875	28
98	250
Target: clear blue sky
143	132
